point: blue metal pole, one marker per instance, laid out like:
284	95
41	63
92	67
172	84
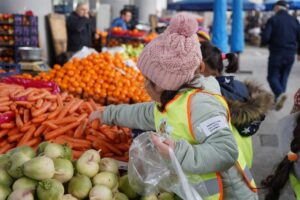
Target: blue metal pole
237	35
220	36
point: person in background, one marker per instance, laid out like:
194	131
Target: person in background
248	102
189	111
288	170
203	34
81	28
125	17
282	34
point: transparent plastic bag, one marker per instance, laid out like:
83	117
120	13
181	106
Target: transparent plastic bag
83	52
7	117
149	172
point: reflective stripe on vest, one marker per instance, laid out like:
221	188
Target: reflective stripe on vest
295	185
175	121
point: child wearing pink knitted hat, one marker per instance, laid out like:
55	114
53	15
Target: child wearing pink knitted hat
188	109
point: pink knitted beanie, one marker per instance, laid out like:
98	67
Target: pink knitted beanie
172	58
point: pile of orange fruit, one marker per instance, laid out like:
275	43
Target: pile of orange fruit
150	37
102	76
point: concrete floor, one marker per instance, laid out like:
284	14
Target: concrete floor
266	152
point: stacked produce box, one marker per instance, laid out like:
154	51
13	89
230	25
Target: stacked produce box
16	31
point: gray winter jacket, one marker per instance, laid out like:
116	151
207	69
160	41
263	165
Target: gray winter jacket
215	152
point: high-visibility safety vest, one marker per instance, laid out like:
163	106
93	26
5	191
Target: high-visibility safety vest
295	185
175	120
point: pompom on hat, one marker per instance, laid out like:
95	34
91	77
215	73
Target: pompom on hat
172	58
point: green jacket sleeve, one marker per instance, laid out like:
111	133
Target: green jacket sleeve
216	149
136	116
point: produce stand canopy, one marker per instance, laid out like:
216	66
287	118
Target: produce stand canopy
207	5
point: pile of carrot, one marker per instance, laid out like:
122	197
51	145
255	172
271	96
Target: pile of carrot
60	118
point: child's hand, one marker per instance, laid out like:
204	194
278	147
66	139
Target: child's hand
96	115
163	146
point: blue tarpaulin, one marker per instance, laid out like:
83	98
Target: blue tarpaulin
293	5
237	35
220	36
208	5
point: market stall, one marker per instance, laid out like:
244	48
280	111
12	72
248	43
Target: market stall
49	147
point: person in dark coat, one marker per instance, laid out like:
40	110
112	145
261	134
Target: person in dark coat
81	28
282	34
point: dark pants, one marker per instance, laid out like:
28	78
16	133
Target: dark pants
279	68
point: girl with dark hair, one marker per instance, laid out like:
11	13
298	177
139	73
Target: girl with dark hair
248	102
288	169
189	111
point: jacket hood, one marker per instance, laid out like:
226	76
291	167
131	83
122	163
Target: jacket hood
209	84
257	104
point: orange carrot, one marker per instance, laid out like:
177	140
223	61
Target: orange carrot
51	125
2	99
51	97
89	107
13	131
32	142
65	110
26	116
92	138
95	124
59	101
122	147
93	104
112	148
25	92
102	136
77	154
108	133
82	117
77	141
27	136
70	133
98	146
107	155
75	106
60	130
39	130
15	138
64	96
19	121
40	119
39	103
4	148
13	107
55	113
38	96
26	127
4	108
21	111
24	103
3	133
7	125
42	110
5	103
66	120
53	107
80	129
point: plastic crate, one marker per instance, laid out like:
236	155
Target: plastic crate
9	69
